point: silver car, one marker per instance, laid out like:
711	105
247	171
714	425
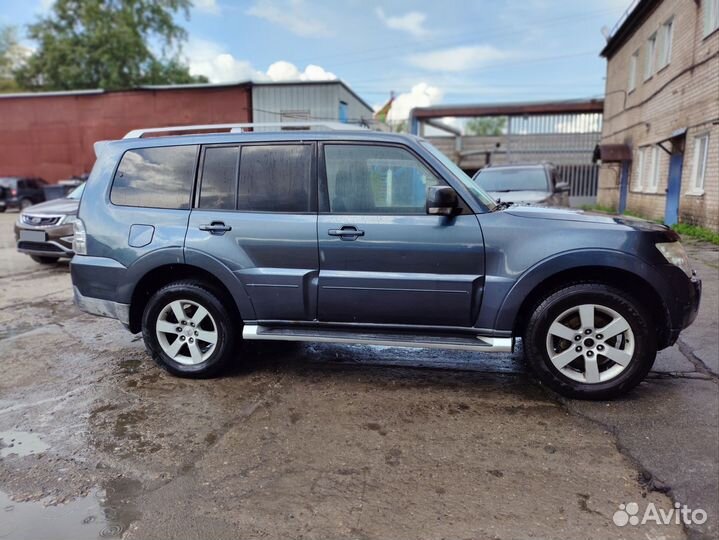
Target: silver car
524	184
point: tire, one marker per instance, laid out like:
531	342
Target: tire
565	312
2	209
41	259
25	203
199	359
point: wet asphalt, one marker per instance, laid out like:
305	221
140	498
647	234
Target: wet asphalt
329	441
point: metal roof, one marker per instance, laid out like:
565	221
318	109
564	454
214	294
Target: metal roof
635	15
509	109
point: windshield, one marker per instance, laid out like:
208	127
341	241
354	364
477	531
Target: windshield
514	179
8	182
478	193
76	193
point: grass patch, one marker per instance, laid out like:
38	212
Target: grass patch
700	233
599	208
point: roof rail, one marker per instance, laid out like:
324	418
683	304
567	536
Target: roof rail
241	128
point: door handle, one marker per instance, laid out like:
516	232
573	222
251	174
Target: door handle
216	227
346	232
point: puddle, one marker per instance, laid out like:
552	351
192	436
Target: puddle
21	443
85	518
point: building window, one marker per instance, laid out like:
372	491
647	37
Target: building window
649	56
665	44
699	166
654	166
710	10
633	62
641	160
343	114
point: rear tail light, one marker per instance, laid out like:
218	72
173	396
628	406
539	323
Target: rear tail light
13	192
79	239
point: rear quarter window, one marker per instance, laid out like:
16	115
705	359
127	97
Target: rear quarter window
155	177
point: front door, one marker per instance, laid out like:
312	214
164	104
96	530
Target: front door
383	259
674	188
255	211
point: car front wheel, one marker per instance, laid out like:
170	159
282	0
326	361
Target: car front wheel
590	341
187	330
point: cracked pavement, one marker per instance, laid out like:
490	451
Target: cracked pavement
319	441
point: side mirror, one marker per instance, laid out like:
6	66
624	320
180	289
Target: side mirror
442	201
561	187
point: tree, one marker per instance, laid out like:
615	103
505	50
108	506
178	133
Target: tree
488	126
110	44
11	56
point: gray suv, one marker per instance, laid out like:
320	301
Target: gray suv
351	236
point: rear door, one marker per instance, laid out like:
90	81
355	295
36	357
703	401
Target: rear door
383	259
255	211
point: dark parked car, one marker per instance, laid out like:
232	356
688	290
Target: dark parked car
363	237
524	184
44	231
20	192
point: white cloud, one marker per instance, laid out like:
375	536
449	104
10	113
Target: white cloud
411	22
421	95
211	60
206	6
458	58
291	15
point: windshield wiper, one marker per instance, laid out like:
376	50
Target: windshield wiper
502	205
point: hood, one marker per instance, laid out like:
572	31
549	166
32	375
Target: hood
521	197
570	214
54	207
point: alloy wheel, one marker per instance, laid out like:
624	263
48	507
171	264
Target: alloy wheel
590	343
186	332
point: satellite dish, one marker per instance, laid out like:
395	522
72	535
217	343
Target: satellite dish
605	32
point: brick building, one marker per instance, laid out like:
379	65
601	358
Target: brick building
660	133
51	134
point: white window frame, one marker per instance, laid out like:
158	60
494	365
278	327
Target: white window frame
641	162
710	15
666	34
654	169
633	63
649	54
699	164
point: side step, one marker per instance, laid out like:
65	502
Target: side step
323	335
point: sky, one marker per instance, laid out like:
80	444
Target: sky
426	52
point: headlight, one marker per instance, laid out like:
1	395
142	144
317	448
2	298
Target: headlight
79	239
70	218
674	253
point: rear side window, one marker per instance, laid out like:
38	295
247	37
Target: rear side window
275	178
219	178
155	177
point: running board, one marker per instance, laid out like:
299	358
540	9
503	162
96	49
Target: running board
322	335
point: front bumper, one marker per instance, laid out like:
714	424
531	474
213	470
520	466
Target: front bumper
101	307
684	303
57	243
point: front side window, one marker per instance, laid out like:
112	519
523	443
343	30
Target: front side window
275	178
364	179
699	165
155	177
219	177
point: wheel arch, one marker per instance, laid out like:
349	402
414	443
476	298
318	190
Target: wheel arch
162	275
622	271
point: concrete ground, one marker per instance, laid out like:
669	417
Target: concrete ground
325	441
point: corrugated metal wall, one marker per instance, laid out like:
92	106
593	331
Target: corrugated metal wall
276	103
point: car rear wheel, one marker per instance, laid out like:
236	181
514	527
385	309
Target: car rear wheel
187	329
41	259
25	203
590	341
